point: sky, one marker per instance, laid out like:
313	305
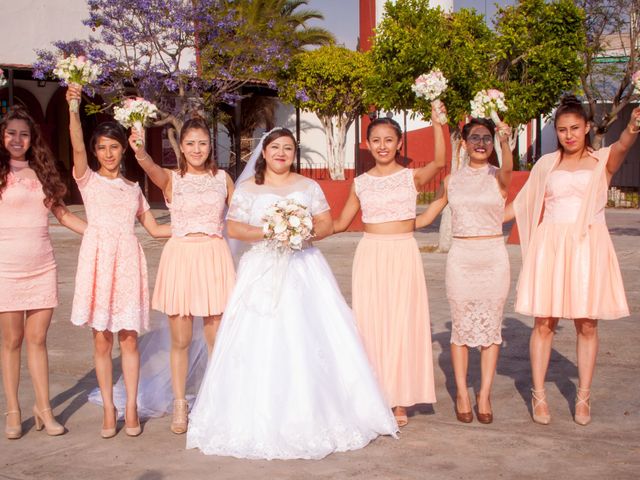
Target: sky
341	16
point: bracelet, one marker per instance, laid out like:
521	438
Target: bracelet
146	156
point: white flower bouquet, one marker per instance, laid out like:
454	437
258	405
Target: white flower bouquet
287	224
78	70
487	104
431	86
3	81
135	113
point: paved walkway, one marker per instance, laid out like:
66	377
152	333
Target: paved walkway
434	445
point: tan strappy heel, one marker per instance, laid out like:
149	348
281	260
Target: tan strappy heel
538	397
180	416
52	427
13	433
583	420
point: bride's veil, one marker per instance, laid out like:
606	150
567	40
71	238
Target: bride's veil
155	394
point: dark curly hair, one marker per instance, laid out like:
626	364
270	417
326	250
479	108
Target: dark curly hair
571	105
39	156
196	123
261	163
489	125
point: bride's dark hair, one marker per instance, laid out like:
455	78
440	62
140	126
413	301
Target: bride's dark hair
261	163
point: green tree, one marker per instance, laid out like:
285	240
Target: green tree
330	82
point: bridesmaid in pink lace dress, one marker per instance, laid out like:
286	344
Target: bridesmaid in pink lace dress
476	194
389	290
30	189
111	292
570	269
196	272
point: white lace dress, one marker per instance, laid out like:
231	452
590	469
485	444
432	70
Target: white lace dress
288	377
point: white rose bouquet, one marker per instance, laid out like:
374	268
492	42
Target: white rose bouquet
135	113
78	70
487	104
431	86
3	81
287	224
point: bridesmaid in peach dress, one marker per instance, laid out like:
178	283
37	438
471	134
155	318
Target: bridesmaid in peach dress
30	189
570	269
388	285
111	292
476	194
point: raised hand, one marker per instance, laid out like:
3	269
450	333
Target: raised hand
74	92
136	141
438	112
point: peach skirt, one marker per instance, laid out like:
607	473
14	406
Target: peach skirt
392	311
566	277
195	277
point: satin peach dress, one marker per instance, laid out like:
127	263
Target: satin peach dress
111	291
27	267
390	299
196	273
477	273
569	273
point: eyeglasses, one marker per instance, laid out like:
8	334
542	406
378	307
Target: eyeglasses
477	139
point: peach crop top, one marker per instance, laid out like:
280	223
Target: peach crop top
197	204
477	205
391	198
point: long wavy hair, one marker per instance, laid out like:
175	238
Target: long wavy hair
569	104
196	123
38	156
489	125
261	163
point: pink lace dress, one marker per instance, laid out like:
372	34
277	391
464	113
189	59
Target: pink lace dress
111	291
389	292
27	265
477	273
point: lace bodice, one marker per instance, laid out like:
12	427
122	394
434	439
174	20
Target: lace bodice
22	201
477	205
111	204
197	203
564	194
250	201
390	198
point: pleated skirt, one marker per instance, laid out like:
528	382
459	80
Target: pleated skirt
392	311
195	277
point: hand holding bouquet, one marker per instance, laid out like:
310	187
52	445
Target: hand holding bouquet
431	86
77	70
135	113
487	104
635	79
287	224
3	81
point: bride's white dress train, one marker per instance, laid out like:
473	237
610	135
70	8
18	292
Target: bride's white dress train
288	377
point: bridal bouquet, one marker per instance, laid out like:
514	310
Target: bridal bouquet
78	70
3	81
287	224
431	86
135	113
487	104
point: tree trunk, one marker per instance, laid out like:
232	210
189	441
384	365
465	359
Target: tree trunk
335	129
596	143
458	160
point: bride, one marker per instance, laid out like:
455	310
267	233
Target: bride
288	377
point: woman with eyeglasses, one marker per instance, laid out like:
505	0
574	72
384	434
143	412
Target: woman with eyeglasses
476	194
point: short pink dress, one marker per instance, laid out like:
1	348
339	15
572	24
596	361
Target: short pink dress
477	275
27	266
196	273
570	269
389	292
111	290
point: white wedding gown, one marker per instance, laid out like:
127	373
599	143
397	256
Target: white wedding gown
288	377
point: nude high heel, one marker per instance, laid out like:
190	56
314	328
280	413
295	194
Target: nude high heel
583	420
13	433
180	414
110	432
132	431
538	397
52	427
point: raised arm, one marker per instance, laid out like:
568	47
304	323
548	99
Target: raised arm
421	176
348	213
68	219
504	174
435	208
620	148
161	177
149	223
244	232
80	162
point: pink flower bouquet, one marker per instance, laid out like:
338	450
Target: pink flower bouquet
287	224
487	104
431	86
77	70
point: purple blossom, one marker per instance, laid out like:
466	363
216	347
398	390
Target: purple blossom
301	95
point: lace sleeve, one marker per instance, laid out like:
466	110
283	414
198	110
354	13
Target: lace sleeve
84	179
318	200
240	207
143	205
